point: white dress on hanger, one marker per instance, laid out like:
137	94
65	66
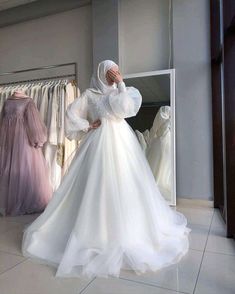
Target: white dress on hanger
108	213
158	151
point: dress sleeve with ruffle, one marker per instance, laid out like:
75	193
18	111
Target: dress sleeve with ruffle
35	128
76	123
125	102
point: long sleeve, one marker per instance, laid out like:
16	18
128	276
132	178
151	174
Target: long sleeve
2	101
1	114
35	128
125	102
76	122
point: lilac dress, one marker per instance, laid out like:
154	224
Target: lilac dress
24	178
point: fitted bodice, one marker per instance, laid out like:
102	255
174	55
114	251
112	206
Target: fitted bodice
98	108
15	107
91	105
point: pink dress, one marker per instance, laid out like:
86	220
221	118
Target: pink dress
24	178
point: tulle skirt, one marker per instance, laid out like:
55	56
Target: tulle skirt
108	213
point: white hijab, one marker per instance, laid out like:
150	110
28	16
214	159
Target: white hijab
98	81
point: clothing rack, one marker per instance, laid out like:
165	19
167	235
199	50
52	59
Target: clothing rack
74	64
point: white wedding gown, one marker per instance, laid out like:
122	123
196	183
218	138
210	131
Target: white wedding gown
108	213
156	144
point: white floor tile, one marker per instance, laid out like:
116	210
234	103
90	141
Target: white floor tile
7	261
21	276
32	278
179	277
197	216
217	274
10	241
217	242
198	236
119	286
6	226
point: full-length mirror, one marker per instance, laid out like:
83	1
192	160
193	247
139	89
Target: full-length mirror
154	126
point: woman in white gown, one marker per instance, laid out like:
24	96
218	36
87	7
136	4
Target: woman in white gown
108	213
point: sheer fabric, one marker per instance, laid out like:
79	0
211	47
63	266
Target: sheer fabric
35	128
159	150
156	144
24	184
51	98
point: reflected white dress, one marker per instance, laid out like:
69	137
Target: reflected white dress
158	151
108	213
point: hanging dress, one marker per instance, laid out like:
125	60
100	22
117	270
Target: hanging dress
24	181
158	151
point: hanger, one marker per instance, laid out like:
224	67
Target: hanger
73	82
18	94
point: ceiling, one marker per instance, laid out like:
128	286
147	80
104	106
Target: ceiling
17	11
7	4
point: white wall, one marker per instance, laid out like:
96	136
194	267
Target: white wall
143	36
60	38
105	31
191	30
144	46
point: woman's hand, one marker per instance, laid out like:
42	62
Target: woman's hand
94	125
115	75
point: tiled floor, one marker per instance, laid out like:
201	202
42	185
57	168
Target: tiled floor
209	266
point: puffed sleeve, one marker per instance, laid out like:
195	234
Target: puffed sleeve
35	128
76	122
125	102
161	123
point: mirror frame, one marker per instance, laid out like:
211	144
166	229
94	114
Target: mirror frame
171	73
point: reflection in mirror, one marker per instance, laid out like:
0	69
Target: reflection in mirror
154	126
